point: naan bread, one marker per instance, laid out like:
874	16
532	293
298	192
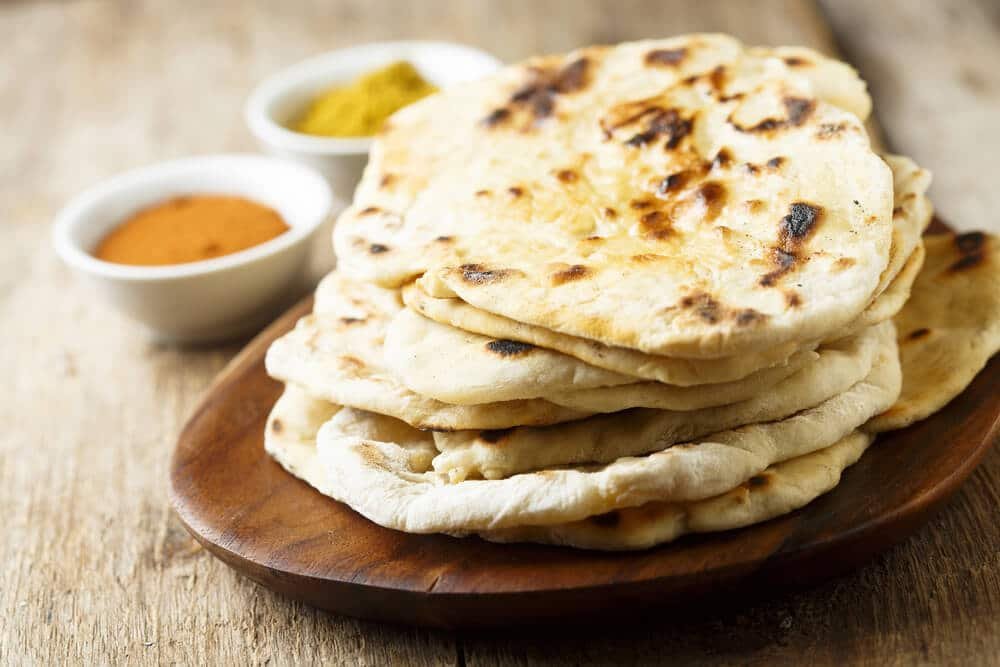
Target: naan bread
779	490
290	438
669	370
290	434
949	328
834	384
379	480
892	300
912	212
464	368
336	354
426	356
801	384
681	197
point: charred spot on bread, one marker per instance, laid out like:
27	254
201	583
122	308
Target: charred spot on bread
673	182
712	195
800	222
970	242
477	274
704	306
797	61
797	112
509	348
971	246
574	272
722	159
537	98
665	57
496	117
749	316
656	225
667	123
830	130
783	262
567	175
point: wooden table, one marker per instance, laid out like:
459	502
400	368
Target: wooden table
97	570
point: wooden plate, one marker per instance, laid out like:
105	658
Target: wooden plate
273	528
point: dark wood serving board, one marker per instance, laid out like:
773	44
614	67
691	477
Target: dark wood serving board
275	529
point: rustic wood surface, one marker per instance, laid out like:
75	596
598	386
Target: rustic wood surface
97	570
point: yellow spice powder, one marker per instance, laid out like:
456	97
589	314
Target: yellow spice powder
360	109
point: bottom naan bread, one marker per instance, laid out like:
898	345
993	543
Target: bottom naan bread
779	490
290	437
949	328
379	480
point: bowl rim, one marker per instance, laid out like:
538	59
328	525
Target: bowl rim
70	217
276	86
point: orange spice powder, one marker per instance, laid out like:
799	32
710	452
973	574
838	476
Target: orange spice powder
190	229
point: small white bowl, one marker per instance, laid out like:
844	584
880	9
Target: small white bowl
212	299
280	98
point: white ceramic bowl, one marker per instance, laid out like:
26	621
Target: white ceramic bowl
212	299
276	101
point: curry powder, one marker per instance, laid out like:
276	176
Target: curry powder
360	109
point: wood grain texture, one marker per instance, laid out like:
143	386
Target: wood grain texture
96	570
276	530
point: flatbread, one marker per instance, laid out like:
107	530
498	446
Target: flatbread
912	212
779	490
378	480
336	354
680	197
892	300
290	434
949	328
669	370
296	417
809	378
835	380
425	356
290	437
463	368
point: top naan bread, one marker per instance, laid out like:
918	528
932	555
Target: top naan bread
685	197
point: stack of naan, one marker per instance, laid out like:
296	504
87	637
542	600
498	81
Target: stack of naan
607	298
